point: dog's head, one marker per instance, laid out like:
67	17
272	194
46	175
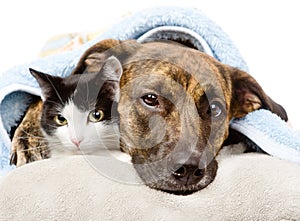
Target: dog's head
175	107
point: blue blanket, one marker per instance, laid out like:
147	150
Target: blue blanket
17	86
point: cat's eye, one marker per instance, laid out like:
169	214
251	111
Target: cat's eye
96	116
60	120
150	100
216	109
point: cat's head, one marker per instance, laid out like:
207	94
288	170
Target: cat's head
80	111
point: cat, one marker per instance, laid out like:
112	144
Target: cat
79	114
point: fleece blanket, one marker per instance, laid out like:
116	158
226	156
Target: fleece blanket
247	187
185	24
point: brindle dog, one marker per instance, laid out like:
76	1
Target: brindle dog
175	107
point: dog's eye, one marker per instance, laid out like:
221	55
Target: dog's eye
215	109
150	100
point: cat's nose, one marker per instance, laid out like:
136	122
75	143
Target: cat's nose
76	141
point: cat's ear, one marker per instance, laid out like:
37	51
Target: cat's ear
45	82
111	69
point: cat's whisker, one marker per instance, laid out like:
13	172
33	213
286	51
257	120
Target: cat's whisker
33	141
54	102
105	138
71	101
41	148
52	126
56	91
30	134
58	109
55	142
109	142
110	134
38	139
109	139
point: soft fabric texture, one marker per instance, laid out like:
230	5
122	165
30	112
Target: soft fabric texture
163	22
247	187
271	134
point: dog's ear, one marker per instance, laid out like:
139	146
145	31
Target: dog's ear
94	58
247	96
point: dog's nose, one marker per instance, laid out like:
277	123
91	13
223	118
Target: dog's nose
187	174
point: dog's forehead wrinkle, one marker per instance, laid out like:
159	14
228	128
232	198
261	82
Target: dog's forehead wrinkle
168	84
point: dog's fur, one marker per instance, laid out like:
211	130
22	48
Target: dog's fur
173	145
175	107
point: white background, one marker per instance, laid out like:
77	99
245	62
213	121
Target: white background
266	33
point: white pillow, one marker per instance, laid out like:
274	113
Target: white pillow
247	187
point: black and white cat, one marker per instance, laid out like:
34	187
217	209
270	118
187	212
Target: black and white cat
80	111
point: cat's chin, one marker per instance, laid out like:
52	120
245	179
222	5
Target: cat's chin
65	153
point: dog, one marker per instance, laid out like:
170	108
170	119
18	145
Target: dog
175	107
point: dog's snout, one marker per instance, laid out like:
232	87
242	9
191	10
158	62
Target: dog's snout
187	174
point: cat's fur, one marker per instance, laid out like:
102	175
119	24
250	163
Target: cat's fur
79	112
28	143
